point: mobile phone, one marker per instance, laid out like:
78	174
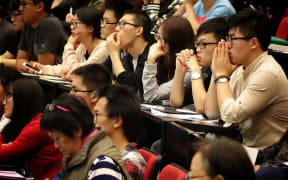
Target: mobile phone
29	66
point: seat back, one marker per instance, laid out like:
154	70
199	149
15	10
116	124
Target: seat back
172	172
282	31
153	161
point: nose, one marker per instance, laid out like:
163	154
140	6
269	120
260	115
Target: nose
56	145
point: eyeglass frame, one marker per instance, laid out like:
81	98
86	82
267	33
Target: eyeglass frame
96	115
230	39
123	23
75	90
16	14
107	23
75	23
204	44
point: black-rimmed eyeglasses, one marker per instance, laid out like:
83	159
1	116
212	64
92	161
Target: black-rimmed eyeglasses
105	23
202	45
123	23
230	39
75	90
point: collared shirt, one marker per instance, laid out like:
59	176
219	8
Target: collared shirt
134	162
260	104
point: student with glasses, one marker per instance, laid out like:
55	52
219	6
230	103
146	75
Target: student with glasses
86	80
174	34
198	62
9	57
221	159
255	96
43	37
118	112
132	34
22	140
91	49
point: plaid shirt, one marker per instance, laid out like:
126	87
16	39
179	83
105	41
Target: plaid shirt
134	162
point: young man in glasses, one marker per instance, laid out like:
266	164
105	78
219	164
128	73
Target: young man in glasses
86	80
132	34
208	36
255	96
43	37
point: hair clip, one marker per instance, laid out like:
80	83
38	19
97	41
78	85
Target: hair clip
51	107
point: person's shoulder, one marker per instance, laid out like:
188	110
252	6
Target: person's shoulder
105	167
50	21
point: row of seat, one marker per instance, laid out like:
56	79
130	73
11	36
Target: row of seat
153	164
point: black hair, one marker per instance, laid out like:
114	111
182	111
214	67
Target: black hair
141	19
14	5
94	76
47	4
121	103
253	23
8	74
118	7
227	158
91	16
68	114
3	8
28	101
217	26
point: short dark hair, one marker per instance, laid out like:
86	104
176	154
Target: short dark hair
217	26
3	7
141	19
78	116
253	23
8	74
94	76
121	103
227	158
118	7
47	4
91	16
14	6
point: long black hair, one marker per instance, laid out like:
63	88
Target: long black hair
28	101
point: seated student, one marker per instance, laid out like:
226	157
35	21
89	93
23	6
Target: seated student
7	32
38	43
8	57
221	159
118	112
88	152
208	36
86	80
22	139
256	98
85	27
132	34
174	34
198	11
7	75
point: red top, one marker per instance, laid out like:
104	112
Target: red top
43	159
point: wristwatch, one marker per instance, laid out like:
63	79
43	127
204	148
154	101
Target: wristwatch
222	79
195	76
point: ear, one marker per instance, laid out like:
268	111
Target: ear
90	29
219	177
254	43
40	7
118	123
79	133
139	31
94	97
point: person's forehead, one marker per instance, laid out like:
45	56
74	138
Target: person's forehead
109	14
77	81
207	37
101	104
127	17
234	31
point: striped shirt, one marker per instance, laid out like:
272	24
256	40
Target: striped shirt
105	168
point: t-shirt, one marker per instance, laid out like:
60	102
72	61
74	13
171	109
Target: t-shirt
48	37
221	8
7	36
